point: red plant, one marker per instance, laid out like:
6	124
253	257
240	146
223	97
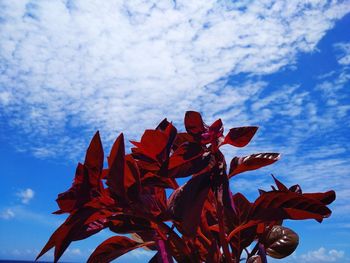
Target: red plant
212	225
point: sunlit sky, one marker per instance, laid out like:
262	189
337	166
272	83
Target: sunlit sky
71	67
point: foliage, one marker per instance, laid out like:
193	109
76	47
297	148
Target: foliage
201	221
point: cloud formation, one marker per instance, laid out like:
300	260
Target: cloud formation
322	255
121	65
344	56
26	195
7	214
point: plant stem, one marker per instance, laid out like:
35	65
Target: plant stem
222	235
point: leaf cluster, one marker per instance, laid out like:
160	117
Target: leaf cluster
202	220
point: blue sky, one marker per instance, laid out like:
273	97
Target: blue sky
69	68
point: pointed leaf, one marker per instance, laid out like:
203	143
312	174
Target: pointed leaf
76	227
240	136
116	164
94	156
280	185
77	195
113	248
252	162
171	133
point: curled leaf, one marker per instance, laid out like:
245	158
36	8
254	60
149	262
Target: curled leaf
252	162
194	123
277	205
280	242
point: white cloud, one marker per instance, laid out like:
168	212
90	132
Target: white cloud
7	214
322	255
73	251
26	195
122	65
22	213
344	56
75	254
140	253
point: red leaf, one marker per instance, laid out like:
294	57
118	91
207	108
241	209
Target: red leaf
242	209
325	198
280	185
123	176
241	136
187	159
132	183
151	179
296	188
77	195
278	205
280	242
113	248
94	157
152	201
252	162
76	227
177	246
194	123
213	133
171	133
186	203
154	144
245	237
216	127
122	223
181	138
116	163
87	182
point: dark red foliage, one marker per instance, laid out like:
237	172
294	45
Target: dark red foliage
212	224
113	248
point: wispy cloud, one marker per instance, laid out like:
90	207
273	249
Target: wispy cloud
7	214
344	53
140	253
121	65
322	255
23	213
26	195
71	254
